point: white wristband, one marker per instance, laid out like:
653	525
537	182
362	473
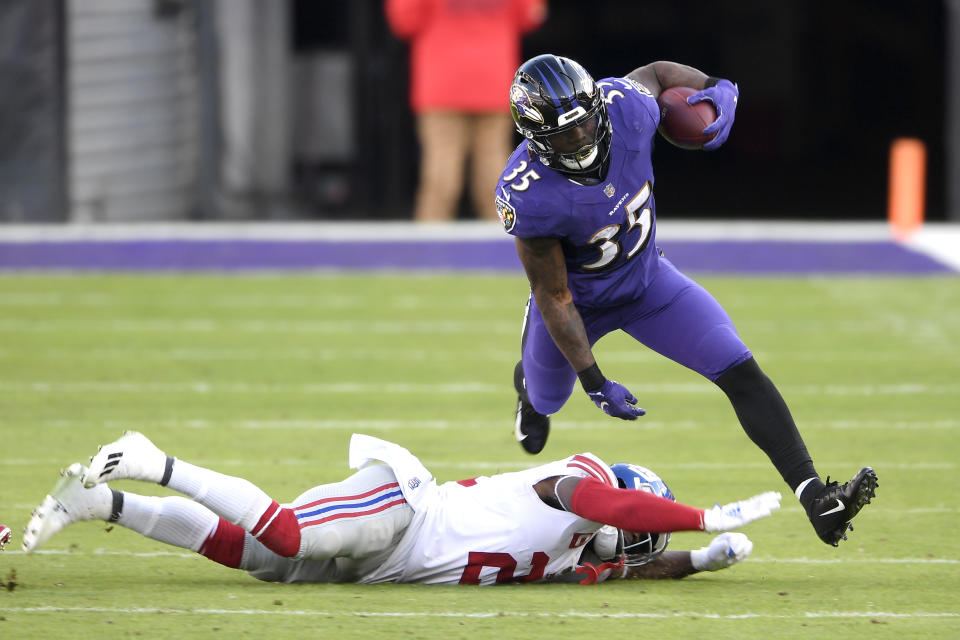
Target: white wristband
698	558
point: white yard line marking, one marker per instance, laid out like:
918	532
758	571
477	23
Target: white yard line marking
461	425
491	614
686	466
753	559
208	325
896	425
857	560
260	355
201	386
104	552
53	299
323	302
204	387
482	465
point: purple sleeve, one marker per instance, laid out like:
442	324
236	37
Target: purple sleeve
529	198
634	105
532	220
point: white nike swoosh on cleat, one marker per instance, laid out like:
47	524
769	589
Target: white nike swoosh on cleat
520	435
839	507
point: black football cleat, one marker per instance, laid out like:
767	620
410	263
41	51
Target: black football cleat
531	428
832	511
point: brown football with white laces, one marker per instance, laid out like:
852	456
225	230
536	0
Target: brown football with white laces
682	124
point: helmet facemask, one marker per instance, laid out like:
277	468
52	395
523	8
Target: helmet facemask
558	107
642	548
578	147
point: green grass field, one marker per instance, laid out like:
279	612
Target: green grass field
267	376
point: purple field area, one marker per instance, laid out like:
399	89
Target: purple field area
724	257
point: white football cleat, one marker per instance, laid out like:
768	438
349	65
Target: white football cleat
67	502
132	457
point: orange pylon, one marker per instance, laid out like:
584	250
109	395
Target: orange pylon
906	198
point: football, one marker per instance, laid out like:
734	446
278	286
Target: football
682	124
5	536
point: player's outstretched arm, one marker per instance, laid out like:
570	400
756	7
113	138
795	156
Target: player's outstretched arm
546	269
633	510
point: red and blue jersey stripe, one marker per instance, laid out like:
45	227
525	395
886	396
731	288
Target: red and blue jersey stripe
368	503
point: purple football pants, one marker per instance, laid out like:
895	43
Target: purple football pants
674	316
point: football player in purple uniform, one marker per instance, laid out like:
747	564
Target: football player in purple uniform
578	196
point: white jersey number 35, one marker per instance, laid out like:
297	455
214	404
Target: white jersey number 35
638	215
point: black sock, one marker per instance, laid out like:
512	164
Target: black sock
809	493
767	421
117	507
167	471
518	383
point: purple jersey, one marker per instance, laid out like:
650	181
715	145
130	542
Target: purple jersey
607	230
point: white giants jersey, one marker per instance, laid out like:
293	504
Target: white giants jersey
493	529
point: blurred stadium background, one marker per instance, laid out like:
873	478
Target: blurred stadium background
133	120
170	110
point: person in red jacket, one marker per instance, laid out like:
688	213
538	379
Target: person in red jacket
451	40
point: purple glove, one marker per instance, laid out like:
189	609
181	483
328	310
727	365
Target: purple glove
723	96
615	400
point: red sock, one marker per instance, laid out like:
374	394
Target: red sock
225	544
631	509
278	530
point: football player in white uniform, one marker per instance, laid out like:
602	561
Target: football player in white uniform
392	522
